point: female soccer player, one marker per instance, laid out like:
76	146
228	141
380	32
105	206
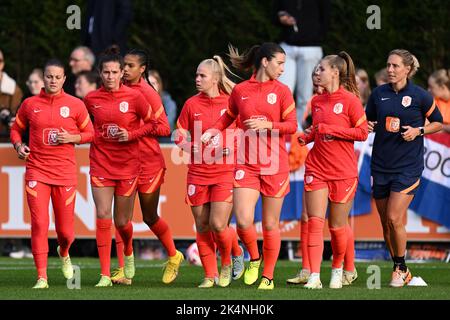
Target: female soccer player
266	111
210	175
397	112
151	177
57	121
331	173
117	113
439	87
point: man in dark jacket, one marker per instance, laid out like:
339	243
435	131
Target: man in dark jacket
106	24
304	24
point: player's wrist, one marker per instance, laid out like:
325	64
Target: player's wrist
17	145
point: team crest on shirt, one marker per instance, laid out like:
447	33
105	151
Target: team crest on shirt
338	107
406	101
32	184
309	179
64	111
239	175
222	111
272	98
191	190
123	106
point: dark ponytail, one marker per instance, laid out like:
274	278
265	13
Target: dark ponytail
144	60
252	58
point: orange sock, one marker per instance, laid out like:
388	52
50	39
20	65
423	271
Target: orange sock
161	229
206	249
119	249
349	258
103	237
249	238
126	232
315	243
338	245
304	245
40	261
235	248
223	240
271	250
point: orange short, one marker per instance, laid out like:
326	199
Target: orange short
276	186
340	191
151	183
124	188
198	195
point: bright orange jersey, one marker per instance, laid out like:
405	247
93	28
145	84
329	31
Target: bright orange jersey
124	108
338	121
209	165
151	156
264	152
51	162
444	107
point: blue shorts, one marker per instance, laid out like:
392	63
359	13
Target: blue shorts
384	183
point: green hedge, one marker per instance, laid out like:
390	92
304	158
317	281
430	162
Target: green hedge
180	33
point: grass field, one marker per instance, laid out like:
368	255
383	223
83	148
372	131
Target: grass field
18	276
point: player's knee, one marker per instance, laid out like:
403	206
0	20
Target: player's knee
270	225
103	213
150	220
218	226
394	222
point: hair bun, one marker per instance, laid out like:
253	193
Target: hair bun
111	50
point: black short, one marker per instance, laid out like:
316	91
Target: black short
384	183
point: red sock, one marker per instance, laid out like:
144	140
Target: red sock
103	236
315	243
249	238
338	245
304	246
349	258
40	261
206	249
119	249
271	250
223	239
161	229
126	232
235	248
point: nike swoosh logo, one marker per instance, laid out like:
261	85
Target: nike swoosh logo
151	180
346	190
244	98
282	182
131	182
96	107
383	99
36	111
197	114
68	189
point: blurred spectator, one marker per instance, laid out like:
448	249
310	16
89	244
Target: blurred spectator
168	102
81	59
363	83
10	98
439	86
106	24
35	82
304	24
381	77
86	82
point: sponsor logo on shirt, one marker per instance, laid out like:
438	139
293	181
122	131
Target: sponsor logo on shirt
272	98
239	175
50	136
32	184
338	108
64	111
123	106
110	131
191	190
406	101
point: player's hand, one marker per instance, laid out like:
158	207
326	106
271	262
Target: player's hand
256	124
23	151
410	133
123	135
206	137
371	125
65	137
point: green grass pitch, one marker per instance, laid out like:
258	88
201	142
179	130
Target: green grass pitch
18	276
